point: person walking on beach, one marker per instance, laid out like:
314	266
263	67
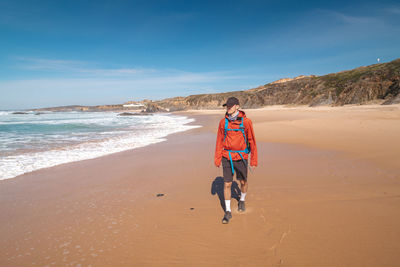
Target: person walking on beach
235	141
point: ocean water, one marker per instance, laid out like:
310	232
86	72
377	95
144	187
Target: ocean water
29	142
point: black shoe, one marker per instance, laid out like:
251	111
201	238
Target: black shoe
227	217
241	206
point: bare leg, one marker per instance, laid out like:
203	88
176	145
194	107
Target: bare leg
227	195
227	190
243	186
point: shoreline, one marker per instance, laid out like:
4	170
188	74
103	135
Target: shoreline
306	207
28	160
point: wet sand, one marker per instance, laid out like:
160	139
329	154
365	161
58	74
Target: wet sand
313	201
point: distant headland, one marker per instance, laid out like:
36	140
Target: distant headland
377	83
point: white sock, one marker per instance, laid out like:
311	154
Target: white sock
228	205
242	196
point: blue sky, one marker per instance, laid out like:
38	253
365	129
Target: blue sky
56	53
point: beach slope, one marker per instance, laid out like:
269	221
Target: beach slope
316	199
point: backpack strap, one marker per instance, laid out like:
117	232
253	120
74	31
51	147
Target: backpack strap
247	150
241	127
226	127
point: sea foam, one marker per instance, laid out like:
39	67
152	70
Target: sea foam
90	137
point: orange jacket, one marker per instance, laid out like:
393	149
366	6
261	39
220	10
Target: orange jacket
234	140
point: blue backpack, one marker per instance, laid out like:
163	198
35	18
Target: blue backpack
247	150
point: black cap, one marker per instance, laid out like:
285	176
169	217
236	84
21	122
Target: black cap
231	102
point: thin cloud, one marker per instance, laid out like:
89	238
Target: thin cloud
182	80
116	72
48	64
324	29
144	82
393	10
75	67
352	19
86	71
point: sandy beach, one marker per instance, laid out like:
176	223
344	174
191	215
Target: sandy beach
326	193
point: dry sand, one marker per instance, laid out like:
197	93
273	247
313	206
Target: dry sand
326	193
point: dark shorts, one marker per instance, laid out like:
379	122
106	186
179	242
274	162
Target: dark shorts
239	166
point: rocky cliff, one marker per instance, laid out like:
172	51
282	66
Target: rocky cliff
357	86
